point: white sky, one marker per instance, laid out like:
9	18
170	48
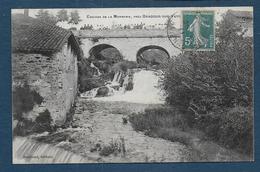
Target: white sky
83	12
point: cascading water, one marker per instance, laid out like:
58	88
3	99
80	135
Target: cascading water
126	80
90	94
26	150
115	82
145	89
93	66
117	77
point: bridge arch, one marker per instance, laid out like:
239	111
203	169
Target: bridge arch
140	57
141	50
96	50
130	47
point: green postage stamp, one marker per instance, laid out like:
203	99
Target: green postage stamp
198	30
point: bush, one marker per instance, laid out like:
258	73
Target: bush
124	65
129	86
23	100
216	87
41	124
232	128
84	68
114	147
102	91
87	84
95	40
208	80
161	117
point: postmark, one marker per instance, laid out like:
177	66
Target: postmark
198	30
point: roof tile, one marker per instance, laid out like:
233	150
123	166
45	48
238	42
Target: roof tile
32	35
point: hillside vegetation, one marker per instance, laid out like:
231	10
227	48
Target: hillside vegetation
212	90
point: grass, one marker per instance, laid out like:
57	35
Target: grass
164	122
230	127
114	147
160	117
231	130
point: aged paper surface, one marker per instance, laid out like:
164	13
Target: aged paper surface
127	85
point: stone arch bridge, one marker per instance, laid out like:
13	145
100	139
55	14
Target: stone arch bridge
130	42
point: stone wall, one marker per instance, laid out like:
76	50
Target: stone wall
129	47
53	77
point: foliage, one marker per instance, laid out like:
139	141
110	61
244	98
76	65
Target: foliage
161	117
110	55
102	91
203	81
164	122
74	17
87	27
129	86
23	100
95	39
153	57
114	147
42	123
231	127
46	17
139	26
216	87
88	83
124	65
62	15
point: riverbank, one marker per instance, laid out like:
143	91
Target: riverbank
172	124
100	131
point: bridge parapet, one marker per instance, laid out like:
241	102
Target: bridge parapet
127	33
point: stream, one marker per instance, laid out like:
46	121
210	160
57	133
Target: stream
102	122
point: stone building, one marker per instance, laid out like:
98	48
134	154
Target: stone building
45	56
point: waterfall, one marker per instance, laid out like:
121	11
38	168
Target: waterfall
126	80
117	77
28	151
90	94
93	66
145	89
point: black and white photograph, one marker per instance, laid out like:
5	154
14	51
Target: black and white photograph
132	85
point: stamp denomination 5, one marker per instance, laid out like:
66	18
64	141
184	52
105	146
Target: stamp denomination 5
198	30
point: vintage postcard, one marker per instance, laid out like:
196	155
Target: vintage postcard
132	85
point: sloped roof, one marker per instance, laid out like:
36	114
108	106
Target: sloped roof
33	36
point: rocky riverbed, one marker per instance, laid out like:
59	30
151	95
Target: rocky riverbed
100	132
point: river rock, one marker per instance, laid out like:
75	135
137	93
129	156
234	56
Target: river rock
87	84
102	92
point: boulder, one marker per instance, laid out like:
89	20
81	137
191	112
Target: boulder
102	92
87	84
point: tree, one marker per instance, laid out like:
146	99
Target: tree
74	17
45	16
62	15
208	80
